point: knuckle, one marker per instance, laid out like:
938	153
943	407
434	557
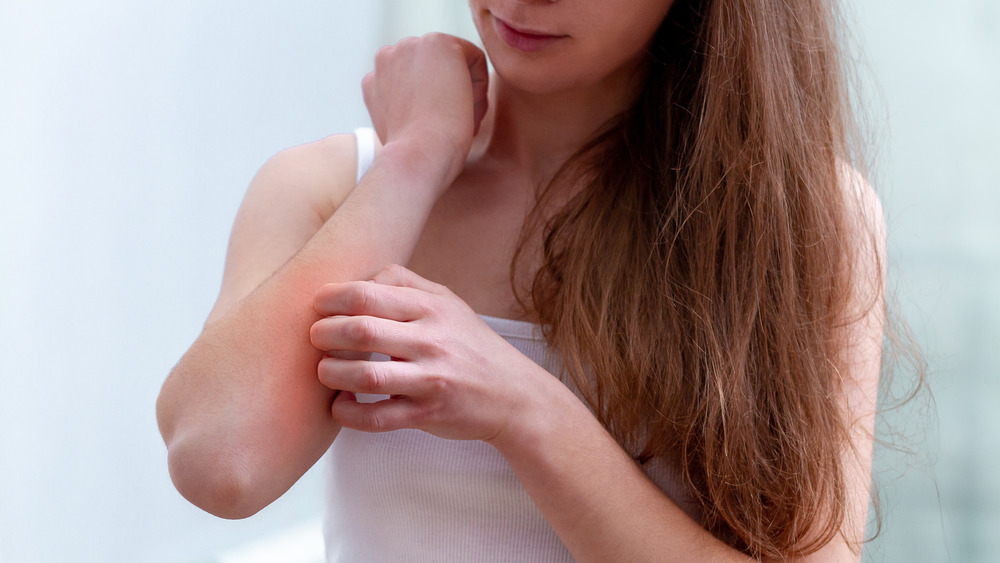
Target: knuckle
394	270
442	39
431	348
363	332
421	418
358	298
372	421
383	53
426	308
366	296
438	385
432	413
373	380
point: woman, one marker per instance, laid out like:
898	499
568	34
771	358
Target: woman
660	191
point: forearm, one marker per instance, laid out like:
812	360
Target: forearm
595	496
243	413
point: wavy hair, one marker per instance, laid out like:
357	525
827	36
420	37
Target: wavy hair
696	283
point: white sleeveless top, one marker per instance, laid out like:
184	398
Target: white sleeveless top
411	496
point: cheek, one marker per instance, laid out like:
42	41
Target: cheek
631	22
613	49
620	30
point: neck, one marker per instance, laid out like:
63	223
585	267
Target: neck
535	133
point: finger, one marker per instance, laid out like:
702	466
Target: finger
365	334
388	301
399	276
480	76
474	57
374	378
383	416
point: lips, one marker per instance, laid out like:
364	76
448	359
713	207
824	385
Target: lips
530	41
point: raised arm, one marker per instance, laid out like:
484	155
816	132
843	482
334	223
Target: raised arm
243	413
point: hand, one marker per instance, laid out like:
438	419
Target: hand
431	90
450	374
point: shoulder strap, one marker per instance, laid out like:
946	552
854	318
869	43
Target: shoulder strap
365	137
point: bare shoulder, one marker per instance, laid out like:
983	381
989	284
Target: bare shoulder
865	239
860	367
865	214
320	173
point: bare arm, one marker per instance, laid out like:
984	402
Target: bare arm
603	507
243	413
455	378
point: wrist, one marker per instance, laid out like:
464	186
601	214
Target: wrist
429	161
544	422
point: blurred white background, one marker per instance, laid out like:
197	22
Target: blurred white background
129	131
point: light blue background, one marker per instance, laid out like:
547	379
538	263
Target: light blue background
129	131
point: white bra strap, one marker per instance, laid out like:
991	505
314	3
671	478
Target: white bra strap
365	137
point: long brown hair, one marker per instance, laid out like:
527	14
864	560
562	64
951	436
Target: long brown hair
696	283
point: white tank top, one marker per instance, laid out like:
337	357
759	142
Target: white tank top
411	496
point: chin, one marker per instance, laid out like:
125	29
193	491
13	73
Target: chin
537	73
536	76
533	83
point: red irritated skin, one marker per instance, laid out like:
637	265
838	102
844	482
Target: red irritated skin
262	393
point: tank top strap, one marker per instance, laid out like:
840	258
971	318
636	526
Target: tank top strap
365	137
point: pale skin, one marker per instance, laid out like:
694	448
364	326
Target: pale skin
254	403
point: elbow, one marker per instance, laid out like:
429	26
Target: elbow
216	481
206	466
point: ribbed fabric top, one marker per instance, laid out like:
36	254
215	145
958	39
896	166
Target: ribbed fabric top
411	496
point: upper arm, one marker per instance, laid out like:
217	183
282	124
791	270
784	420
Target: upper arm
861	362
863	347
288	201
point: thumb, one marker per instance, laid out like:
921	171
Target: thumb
479	73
